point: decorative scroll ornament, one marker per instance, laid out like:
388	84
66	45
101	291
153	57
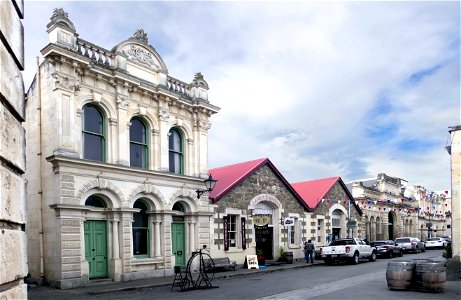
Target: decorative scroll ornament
261	220
164	114
64	82
58	13
142	56
141	35
122	102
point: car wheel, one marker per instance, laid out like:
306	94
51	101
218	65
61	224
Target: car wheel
355	259
423	249
373	256
416	250
391	254
401	253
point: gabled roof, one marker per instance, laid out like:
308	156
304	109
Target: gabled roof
312	192
230	176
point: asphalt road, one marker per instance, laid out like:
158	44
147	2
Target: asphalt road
366	280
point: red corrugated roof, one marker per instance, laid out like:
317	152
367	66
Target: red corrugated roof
229	176
313	191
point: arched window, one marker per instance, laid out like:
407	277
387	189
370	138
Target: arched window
94	141
140	230
95	201
176	155
138	144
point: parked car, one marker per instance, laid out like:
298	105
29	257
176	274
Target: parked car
410	244
347	250
436	242
387	248
447	238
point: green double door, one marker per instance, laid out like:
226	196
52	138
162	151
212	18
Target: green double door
96	248
178	243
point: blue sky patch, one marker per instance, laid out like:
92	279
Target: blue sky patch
417	77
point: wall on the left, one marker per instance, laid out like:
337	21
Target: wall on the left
13	261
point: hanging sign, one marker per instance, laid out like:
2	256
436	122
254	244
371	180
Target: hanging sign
289	222
261	220
226	232
244	240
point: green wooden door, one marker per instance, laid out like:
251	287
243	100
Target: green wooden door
178	240
96	248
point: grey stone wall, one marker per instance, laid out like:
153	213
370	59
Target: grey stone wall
262	181
13	263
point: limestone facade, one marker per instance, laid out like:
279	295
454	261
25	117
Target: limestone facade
13	259
117	149
394	209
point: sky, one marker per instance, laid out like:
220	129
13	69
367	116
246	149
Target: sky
322	89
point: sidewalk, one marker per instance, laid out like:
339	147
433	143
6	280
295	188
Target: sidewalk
452	288
100	287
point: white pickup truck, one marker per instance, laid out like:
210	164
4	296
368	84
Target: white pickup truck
351	249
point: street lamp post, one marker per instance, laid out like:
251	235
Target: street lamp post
209	183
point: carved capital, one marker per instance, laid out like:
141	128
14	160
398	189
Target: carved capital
122	102
164	114
65	82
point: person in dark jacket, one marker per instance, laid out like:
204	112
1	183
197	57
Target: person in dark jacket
309	252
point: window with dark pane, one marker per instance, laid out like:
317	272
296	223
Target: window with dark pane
95	201
140	230
176	157
232	231
138	144
93	133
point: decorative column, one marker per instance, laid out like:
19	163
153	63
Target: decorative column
192	236
157	245
115	242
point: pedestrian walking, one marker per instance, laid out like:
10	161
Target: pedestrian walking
309	252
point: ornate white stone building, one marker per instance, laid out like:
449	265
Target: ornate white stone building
393	209
116	150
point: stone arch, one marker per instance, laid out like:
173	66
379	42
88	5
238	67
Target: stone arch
185	197
102	187
392	225
105	105
147	191
182	126
265	197
148	117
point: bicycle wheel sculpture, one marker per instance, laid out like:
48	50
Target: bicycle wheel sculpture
200	270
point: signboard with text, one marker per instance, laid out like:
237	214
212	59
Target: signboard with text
252	262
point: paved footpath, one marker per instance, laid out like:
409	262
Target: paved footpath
452	288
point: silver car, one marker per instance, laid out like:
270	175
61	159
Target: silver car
410	244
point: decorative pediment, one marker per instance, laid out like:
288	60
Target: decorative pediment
137	49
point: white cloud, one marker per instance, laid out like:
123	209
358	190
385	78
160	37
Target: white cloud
303	83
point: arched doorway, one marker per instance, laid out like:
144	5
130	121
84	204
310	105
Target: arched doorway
390	225
178	235
95	232
264	233
336	224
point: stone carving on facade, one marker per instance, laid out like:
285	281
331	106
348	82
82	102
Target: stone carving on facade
64	82
203	125
59	13
199	81
122	102
164	114
142	55
141	35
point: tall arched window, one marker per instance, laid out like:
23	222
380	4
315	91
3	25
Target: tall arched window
176	155
138	144
94	141
140	230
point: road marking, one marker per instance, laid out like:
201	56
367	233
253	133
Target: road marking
326	288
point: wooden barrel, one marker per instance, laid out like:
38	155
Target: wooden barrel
430	276
289	257
399	274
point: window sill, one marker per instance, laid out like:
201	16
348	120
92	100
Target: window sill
145	261
236	250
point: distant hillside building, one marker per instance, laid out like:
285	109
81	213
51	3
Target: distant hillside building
116	151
